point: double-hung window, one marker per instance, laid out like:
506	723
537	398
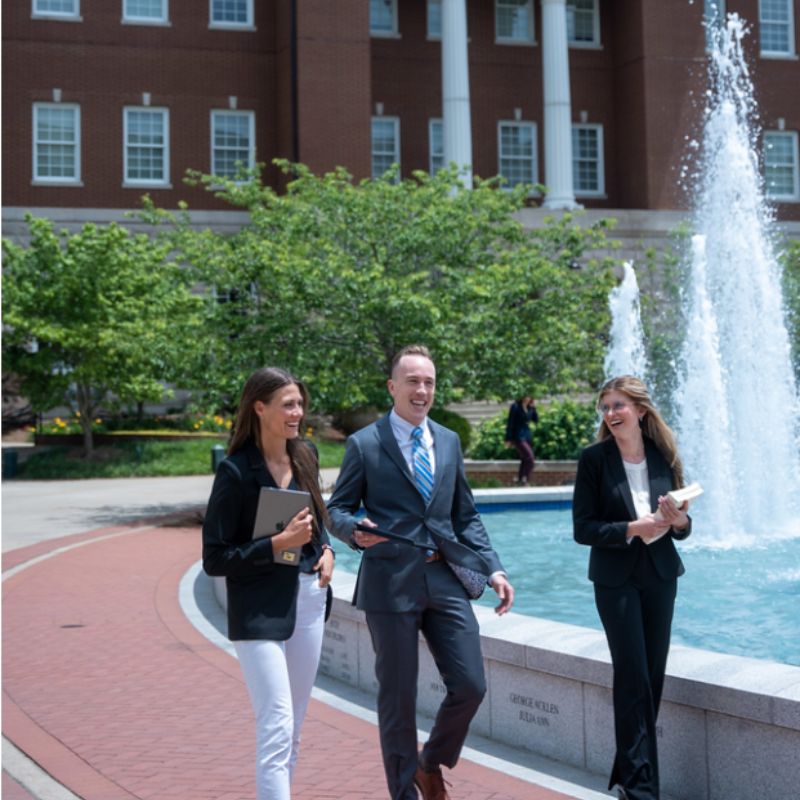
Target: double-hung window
781	168
435	145
56	143
383	18
385	144
57	9
588	177
146	155
583	23
232	142
713	20
434	19
231	14
146	12
776	27
513	21
517	152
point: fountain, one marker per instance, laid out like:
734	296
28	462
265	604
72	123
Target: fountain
626	353
737	399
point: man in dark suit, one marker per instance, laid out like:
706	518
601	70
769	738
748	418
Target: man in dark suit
408	473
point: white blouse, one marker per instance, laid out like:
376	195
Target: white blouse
639	482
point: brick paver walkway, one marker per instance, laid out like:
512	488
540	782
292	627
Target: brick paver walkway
111	690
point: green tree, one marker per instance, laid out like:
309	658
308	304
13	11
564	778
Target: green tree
790	262
92	318
331	277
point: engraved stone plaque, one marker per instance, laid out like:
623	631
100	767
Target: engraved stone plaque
339	657
537	711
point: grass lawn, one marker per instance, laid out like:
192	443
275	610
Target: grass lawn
140	460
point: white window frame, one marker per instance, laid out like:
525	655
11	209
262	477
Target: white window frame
394	33
69	16
133	19
794	197
791	51
432	123
534	150
531	35
59	180
431	34
395	154
251	136
600	191
163	183
595	41
248	25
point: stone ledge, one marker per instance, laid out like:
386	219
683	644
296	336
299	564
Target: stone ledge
729	726
545	473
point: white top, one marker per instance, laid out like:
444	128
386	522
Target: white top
402	433
639	482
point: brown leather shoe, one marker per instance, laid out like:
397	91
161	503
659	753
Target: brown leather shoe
431	784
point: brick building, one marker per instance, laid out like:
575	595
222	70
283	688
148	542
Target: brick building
105	100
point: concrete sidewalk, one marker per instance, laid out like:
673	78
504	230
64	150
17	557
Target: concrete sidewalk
112	691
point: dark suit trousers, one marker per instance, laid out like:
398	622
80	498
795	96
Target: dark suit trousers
448	624
637	618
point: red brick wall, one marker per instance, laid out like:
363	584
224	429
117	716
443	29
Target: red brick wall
638	85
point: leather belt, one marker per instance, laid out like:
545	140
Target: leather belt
434	556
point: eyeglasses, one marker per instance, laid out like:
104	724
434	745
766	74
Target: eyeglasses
618	406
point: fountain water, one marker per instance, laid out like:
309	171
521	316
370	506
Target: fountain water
626	353
737	399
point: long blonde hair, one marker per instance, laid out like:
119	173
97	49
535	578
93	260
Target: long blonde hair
652	424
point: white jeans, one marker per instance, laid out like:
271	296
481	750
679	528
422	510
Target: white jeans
279	678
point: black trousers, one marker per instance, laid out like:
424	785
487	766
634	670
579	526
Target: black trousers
637	618
526	459
447	621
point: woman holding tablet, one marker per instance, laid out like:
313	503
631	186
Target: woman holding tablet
276	610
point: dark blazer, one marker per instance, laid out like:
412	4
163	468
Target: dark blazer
518	424
262	595
375	474
602	507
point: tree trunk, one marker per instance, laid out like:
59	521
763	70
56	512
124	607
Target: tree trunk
86	409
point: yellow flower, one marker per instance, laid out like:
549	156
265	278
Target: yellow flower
197	426
98	421
228	424
77	413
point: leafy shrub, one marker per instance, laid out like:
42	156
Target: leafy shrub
489	444
455	422
565	427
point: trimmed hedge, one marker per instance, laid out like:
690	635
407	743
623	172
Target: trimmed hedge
565	427
455	422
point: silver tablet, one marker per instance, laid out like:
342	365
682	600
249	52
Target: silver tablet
276	507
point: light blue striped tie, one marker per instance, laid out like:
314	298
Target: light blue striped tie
423	474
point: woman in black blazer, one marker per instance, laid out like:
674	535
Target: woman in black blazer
621	509
276	611
518	434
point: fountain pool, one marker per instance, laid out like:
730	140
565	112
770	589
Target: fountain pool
737	600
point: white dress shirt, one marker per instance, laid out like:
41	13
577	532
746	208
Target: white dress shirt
402	433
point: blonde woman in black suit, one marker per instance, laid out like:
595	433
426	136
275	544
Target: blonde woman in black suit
276	611
622	481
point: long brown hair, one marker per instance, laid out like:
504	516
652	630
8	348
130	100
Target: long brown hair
262	385
652	424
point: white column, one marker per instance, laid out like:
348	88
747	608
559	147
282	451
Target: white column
557	107
455	88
